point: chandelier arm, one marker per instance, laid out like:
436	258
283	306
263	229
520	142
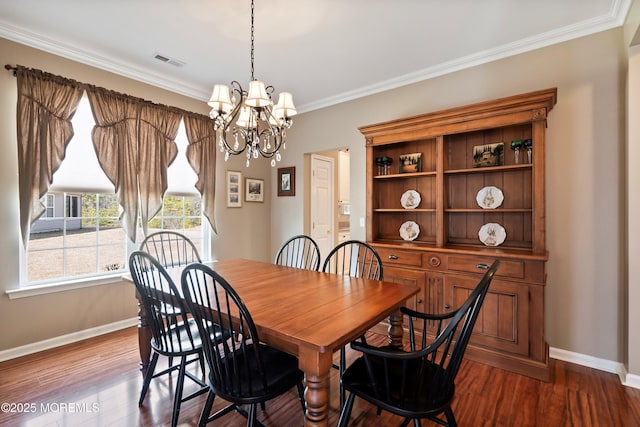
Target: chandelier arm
231	118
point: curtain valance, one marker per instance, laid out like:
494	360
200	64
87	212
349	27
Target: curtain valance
134	141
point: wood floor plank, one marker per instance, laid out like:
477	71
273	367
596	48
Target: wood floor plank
100	379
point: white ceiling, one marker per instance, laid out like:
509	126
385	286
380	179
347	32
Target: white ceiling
323	51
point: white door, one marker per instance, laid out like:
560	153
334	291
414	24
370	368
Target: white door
322	200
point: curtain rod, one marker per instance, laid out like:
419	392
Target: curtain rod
10	68
14	70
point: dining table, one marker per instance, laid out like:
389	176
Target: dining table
306	313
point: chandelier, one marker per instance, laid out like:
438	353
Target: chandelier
248	121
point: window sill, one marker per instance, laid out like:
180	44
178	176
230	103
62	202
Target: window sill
49	288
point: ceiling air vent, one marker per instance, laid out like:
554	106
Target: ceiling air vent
168	60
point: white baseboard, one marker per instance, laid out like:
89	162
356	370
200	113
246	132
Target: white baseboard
605	365
35	347
632	380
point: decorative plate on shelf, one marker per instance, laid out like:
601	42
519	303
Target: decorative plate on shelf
489	197
409	230
410	199
492	234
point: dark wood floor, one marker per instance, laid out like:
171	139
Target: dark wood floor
96	382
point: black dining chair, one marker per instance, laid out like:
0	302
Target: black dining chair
356	259
300	251
419	383
242	370
170	248
170	337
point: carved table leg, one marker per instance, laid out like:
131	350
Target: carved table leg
395	330
144	336
316	367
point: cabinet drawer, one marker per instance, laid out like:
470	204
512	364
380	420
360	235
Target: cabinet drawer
400	257
469	264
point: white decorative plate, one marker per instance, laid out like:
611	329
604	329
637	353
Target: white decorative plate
409	230
489	197
492	234
410	199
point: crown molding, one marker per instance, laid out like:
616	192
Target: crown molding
113	65
614	18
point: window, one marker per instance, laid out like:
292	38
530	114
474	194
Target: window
72	206
182	214
50	204
85	239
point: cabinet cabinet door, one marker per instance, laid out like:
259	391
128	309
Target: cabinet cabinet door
430	299
408	277
503	323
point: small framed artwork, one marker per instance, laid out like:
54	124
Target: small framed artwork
410	163
488	155
234	189
254	190
287	181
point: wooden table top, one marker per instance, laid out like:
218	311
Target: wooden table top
308	308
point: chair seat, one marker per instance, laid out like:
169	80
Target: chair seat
413	399
181	342
280	374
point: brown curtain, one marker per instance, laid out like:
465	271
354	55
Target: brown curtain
135	143
201	154
158	128
46	104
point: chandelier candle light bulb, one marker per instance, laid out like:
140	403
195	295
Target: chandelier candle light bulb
258	127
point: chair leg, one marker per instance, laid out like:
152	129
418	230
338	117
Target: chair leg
177	399
147	377
450	418
343	363
207	408
252	415
346	411
301	396
201	359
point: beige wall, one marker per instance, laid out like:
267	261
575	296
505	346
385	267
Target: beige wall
241	232
585	158
632	38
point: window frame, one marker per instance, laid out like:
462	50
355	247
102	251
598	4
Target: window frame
203	246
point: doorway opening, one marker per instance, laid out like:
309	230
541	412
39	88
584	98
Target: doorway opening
327	209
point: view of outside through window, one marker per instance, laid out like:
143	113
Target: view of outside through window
90	242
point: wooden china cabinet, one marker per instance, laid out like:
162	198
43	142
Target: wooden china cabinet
459	200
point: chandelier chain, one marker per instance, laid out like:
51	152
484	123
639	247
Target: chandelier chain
252	39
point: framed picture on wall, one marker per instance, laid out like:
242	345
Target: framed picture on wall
234	189
287	181
254	190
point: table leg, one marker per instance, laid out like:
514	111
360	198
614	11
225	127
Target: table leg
395	330
316	367
144	336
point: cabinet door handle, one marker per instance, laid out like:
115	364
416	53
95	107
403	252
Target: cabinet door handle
419	301
392	256
482	266
447	306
